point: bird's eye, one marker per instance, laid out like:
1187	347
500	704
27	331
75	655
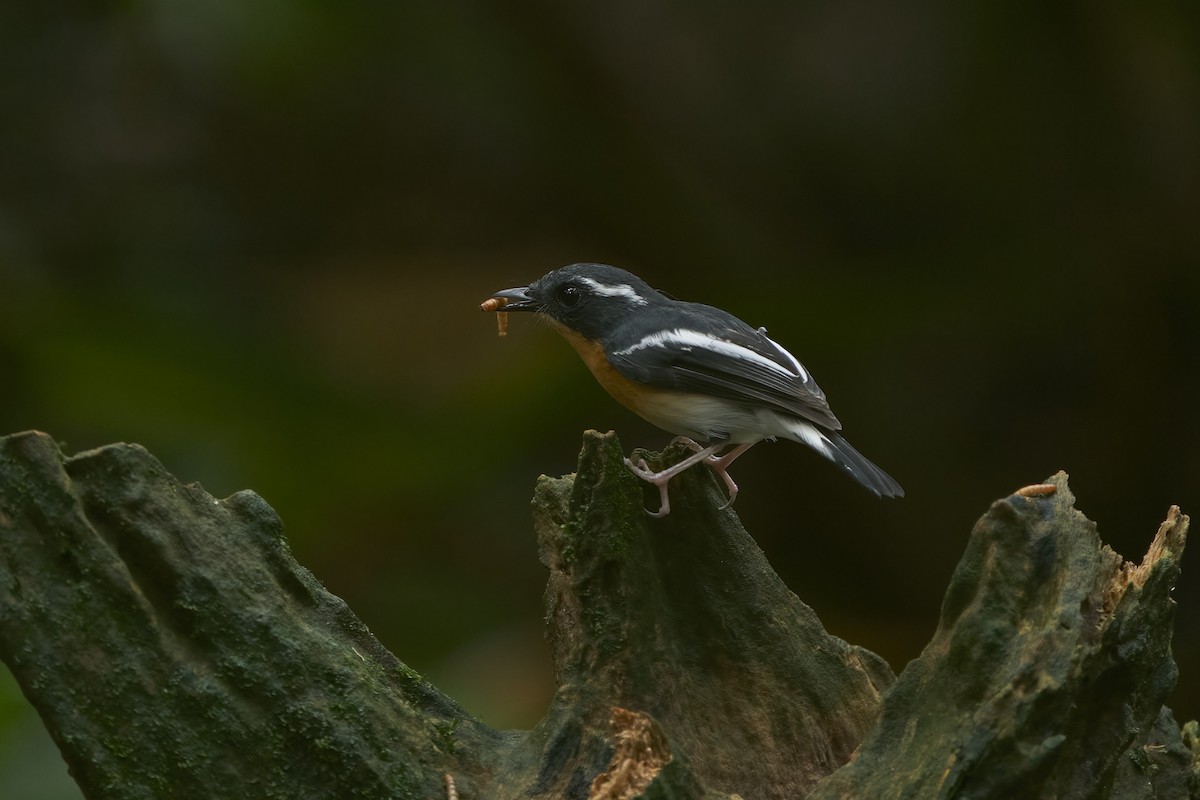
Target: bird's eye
568	295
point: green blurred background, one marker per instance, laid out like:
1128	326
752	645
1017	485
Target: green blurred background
252	237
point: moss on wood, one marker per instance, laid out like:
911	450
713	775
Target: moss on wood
174	648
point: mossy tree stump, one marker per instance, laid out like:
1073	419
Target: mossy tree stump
174	648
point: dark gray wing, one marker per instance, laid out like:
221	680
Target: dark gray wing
708	351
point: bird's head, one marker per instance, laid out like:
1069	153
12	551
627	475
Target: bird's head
587	299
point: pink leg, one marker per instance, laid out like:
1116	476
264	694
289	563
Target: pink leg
660	479
719	465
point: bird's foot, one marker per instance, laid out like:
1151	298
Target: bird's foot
643	471
729	485
661	478
720	465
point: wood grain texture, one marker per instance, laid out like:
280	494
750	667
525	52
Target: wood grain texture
174	648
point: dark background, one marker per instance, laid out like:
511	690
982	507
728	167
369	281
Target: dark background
252	237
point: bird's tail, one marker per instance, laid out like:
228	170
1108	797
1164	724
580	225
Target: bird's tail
838	450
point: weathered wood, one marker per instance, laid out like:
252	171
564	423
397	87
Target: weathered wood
1046	674
174	648
682	618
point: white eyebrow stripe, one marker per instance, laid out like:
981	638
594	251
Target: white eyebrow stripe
688	338
620	290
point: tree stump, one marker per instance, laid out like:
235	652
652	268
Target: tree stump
174	648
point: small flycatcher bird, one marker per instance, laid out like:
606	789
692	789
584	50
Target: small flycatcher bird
691	369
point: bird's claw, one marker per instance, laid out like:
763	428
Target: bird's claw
661	479
643	471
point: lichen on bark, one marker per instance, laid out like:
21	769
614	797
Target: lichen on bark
174	648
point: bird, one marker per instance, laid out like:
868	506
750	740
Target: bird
691	369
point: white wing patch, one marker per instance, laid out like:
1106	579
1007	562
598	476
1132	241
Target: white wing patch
801	372
687	339
620	290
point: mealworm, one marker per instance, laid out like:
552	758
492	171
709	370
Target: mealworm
495	304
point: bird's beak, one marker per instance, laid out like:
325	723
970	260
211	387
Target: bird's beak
517	299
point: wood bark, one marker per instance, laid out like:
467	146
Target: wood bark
174	648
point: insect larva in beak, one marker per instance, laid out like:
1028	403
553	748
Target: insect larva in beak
495	304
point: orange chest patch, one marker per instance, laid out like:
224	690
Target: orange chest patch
629	394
